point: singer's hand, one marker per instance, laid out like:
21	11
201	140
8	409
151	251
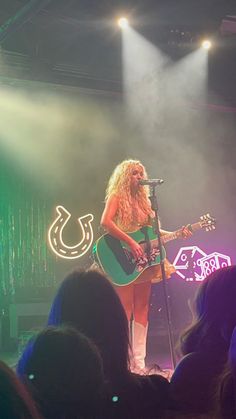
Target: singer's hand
186	232
136	249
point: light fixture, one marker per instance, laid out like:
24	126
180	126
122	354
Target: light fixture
123	22
206	44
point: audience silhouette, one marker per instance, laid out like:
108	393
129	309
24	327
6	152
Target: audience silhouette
205	343
15	401
63	371
87	300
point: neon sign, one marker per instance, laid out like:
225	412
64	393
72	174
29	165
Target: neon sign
55	235
214	261
193	264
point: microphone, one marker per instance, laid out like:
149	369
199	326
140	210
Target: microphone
151	182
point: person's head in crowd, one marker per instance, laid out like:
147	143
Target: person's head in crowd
215	313
87	301
226	391
15	401
64	373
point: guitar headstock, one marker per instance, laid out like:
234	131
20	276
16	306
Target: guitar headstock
208	222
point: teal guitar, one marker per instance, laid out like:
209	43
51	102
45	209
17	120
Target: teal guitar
117	261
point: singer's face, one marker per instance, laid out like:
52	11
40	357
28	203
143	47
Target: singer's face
136	175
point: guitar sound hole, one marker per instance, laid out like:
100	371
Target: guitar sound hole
129	255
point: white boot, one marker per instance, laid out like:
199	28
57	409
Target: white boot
139	340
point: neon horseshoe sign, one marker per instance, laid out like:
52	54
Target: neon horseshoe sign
55	235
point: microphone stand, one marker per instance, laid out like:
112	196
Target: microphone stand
156	228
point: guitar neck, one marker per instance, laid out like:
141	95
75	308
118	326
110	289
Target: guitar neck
178	233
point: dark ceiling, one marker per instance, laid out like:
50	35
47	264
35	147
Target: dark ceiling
77	42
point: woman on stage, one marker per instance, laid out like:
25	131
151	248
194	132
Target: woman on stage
127	209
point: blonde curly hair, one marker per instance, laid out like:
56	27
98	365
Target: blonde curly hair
119	185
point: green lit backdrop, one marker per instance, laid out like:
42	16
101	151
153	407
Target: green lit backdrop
56	148
25	260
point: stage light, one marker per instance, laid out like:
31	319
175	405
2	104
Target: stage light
123	22
206	44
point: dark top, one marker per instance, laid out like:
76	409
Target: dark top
134	397
227	395
194	382
142	397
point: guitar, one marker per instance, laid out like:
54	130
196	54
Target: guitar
117	261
